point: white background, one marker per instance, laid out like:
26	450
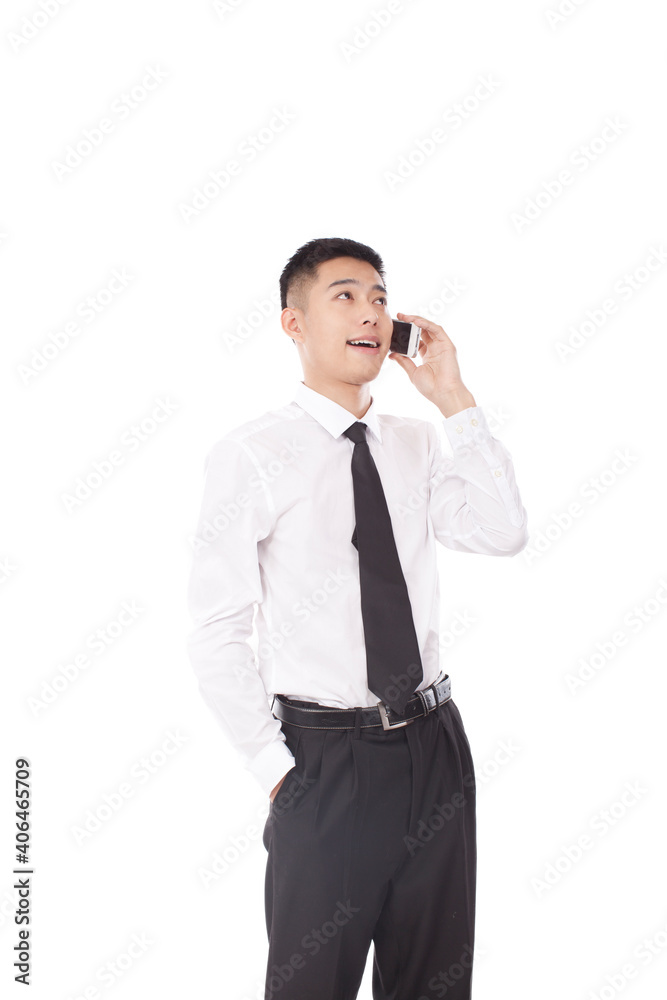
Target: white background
188	328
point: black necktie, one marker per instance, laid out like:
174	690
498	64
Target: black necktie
392	651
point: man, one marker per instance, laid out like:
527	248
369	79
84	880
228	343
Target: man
323	516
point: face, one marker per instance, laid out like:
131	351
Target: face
347	302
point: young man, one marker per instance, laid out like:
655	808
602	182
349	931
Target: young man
344	715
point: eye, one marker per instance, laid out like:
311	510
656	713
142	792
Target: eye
381	298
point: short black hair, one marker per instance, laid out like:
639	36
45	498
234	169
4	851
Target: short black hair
300	271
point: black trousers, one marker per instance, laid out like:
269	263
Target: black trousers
372	838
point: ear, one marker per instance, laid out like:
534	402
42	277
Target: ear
289	321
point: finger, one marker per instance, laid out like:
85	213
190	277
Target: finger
425	324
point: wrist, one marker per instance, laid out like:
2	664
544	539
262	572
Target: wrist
454	401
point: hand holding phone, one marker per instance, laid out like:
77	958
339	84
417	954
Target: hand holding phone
405	338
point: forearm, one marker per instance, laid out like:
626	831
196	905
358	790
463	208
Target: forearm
231	686
474	501
455	400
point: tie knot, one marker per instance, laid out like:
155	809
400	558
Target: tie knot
356	432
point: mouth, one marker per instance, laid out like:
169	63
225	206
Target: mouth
366	345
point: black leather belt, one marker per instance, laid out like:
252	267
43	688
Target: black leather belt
421	703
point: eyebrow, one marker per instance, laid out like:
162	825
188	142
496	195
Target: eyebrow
354	281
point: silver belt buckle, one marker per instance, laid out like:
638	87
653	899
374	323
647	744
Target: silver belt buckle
386	724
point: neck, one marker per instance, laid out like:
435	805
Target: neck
354	398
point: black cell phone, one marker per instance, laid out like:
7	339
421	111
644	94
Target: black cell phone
405	338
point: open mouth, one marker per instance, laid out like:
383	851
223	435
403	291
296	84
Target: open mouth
369	346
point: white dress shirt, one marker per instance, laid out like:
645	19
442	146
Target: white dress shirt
274	534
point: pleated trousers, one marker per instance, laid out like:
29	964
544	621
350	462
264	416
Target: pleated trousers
371	839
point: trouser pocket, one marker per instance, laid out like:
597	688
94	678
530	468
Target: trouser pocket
456	722
292	780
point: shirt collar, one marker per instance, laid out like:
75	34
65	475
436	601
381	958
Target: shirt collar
331	415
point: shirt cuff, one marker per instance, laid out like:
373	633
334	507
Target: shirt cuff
466	426
271	764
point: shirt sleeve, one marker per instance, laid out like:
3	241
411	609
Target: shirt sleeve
474	502
223	589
